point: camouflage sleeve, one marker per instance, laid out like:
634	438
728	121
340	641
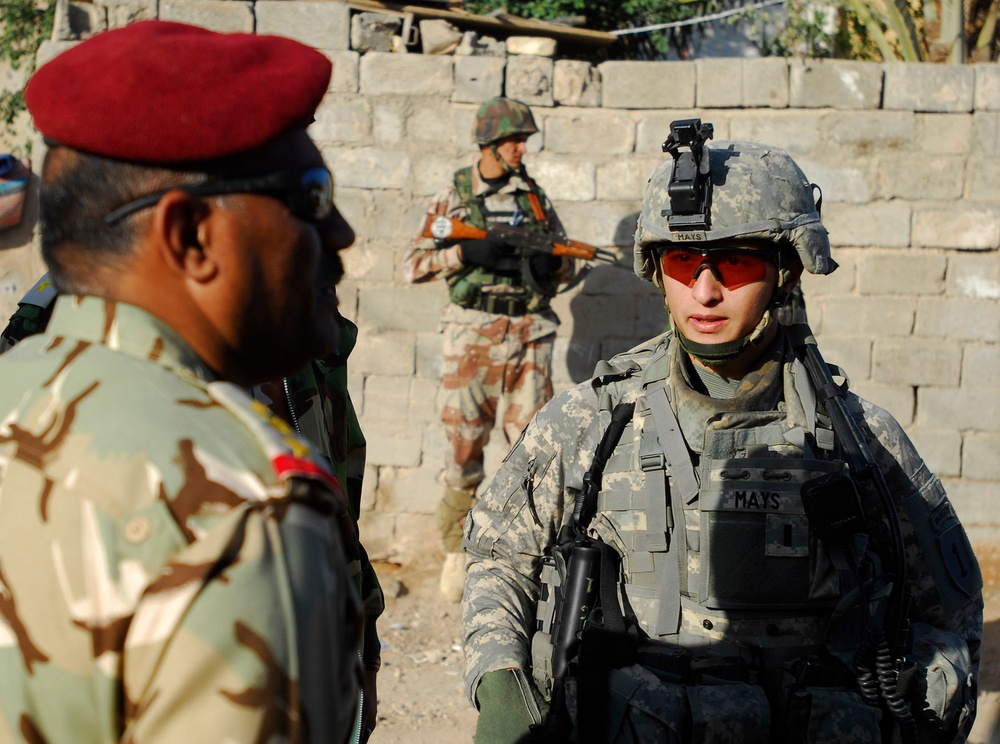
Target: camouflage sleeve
427	258
943	574
513	525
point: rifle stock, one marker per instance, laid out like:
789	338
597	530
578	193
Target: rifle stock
450	228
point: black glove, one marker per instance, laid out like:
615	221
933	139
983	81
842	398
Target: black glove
491	253
544	265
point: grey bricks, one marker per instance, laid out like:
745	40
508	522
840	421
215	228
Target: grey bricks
965	226
929	87
648	85
576	83
529	79
839	84
478	78
217	15
720	83
320	25
406	74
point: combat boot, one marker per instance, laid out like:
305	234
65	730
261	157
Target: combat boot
451	514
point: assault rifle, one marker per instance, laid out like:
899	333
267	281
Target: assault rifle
449	228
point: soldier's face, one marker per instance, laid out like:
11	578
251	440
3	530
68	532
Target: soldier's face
512	149
715	302
286	286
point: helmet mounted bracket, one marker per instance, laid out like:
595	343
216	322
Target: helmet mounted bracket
690	186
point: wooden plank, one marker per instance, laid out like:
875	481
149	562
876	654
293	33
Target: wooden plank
502	24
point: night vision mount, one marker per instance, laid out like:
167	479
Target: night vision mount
690	187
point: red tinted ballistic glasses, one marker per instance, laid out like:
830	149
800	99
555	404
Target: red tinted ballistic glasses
732	267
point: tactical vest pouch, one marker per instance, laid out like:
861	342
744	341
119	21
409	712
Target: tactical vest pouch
820	715
753	524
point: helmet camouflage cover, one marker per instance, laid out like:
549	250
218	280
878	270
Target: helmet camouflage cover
758	192
502	117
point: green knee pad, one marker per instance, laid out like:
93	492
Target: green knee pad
508	706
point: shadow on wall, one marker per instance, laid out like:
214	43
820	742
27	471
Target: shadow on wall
613	309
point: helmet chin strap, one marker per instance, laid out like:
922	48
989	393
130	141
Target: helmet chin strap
710	354
507	167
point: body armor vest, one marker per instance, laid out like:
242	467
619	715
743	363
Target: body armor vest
467	285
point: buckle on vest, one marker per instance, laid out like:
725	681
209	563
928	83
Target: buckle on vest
652	461
499	304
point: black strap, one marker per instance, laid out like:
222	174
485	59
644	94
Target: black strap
586	500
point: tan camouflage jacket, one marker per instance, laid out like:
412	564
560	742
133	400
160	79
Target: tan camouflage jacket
519	515
159	549
430	259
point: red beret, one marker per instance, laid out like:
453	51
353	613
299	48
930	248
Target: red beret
162	92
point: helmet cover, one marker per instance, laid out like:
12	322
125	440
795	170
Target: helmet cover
502	117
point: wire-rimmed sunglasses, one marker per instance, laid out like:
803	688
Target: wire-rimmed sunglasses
308	193
732	267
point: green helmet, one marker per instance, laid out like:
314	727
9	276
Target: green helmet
758	192
502	117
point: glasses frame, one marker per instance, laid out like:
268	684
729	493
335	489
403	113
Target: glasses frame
708	261
289	186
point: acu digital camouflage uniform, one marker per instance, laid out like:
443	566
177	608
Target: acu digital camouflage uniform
498	333
719	569
188	561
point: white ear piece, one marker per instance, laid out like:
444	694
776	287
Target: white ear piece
784	276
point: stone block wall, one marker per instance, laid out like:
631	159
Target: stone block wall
907	156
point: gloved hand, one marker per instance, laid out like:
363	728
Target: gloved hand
508	705
491	253
544	265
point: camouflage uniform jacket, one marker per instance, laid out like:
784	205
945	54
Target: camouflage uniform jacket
168	558
430	259
324	413
520	513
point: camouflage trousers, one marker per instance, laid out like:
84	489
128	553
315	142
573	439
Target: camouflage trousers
482	367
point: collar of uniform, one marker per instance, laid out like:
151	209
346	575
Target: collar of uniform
126	329
481	188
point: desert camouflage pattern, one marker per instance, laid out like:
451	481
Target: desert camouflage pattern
487	357
163	547
532	496
502	117
324	414
758	192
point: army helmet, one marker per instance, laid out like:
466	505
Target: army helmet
757	192
502	117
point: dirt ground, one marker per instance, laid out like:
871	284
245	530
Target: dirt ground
421	694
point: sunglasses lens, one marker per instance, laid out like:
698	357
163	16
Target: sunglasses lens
313	199
732	268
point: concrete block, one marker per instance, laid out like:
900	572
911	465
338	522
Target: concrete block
373	32
985	133
840	180
429	348
979	456
881	224
345	71
529	79
980	365
353	204
928	87
573	361
982	182
907	272
839	84
394	219
966	320
538	46
944	134
578	134
965	410
474	45
870	316
975	276
74	21
864	133
439	37
409	308
386	398
941	449
47	51
920	176
964	226
385	354
576	83
896	399
121	13
565	180
320	25
600	223
431	173
423	407
853	354
342	121
435	121
977	504
378	533
625	179
367	262
799	132
765	82
391	443
216	15
840	282
987	87
406	491
368	167
389	116
411	540
406	74
648	85
917	361
369	485
478	79
719	83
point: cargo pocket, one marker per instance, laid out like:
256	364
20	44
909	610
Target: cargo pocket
821	715
729	713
